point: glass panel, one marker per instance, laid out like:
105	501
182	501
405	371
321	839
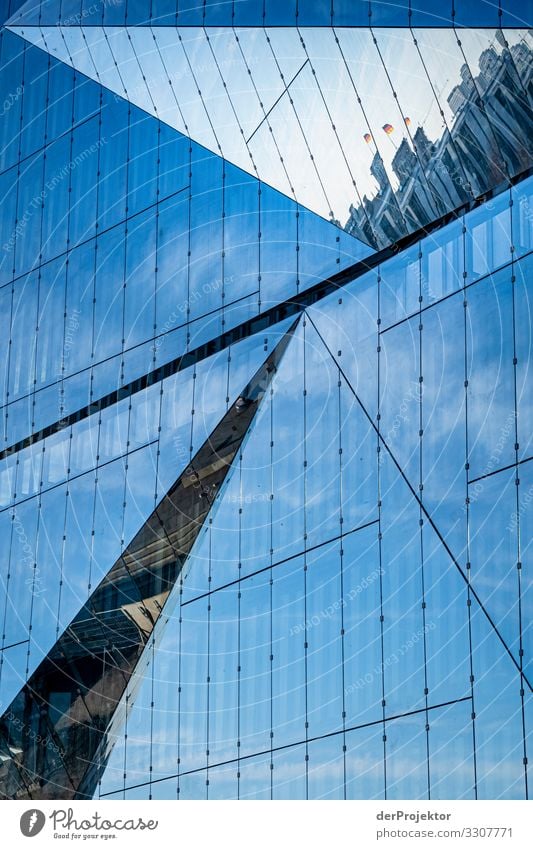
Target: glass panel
498	709
289	773
324	656
491	402
451	752
403	626
223	676
488	236
194	687
524	344
362	631
255	691
365	774
494	553
288	667
407	758
443	419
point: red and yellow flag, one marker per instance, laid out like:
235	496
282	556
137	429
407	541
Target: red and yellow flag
388	128
407	122
367	137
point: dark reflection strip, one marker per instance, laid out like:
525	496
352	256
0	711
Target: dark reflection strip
293	306
292	745
55	736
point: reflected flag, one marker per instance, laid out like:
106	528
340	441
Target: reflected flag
407	122
367	137
388	128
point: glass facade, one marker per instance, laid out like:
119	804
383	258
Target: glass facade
266	467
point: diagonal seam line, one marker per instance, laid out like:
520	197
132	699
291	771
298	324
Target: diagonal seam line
422	507
374	722
283	93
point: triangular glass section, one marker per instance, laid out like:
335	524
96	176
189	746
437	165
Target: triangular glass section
329	118
71	698
263	579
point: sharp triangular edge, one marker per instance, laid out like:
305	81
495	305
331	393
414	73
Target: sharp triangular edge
54	731
179	81
412	489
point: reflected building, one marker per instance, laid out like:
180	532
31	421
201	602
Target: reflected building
489	138
265	482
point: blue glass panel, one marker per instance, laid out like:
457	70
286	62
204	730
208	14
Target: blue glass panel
287	477
403	627
223	675
194	686
108	519
51	338
451	752
172	269
139	306
326	768
109	283
223	782
488	236
387	14
205	292
112	187
497	705
484	14
22	566
8	224
322	443
442	262
445	628
192	786
24	316
56	199
139	491
255	777
5	332
365	777
79	308
278	247
29	212
289	773
491	403
324	656
255	695
11	52
12	674
350	13
142	163
524	344
400	286
46	586
525	492
77	554
362	630
400	395
407	758
288	667
443	419
61	99
431	13
241	234
83	167
35	93
522	214
173	161
494	553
